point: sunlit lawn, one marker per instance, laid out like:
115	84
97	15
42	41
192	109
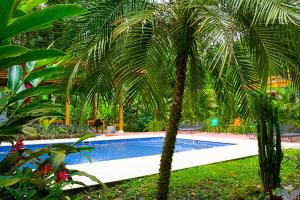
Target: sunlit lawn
237	179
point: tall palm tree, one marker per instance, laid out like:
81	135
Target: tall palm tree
237	43
90	42
243	41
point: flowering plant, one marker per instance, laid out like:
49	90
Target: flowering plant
27	174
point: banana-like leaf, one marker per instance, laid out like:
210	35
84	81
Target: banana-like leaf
57	157
29	56
39	107
24	120
27	172
9	131
8	180
8	161
17	13
6	8
32	155
40	17
30	131
46	61
45	74
72	149
8	51
81	173
14	77
21	88
3	101
27	6
29	66
34	91
84	138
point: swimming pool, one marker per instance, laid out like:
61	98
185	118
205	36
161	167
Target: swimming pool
127	148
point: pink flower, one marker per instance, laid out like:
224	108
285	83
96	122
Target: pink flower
62	175
46	169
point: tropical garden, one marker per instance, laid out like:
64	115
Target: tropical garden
162	63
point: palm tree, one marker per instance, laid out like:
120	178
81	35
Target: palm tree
237	43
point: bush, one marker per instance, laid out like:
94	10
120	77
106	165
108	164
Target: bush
26	174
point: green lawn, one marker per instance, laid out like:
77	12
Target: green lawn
227	180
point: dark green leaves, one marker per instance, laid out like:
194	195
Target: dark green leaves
34	91
40	17
11	51
29	56
8	180
14	77
47	73
5	13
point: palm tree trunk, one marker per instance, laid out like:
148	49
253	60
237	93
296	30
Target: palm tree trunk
169	145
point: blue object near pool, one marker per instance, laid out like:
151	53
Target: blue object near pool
126	148
214	122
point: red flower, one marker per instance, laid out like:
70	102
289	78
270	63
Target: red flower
28	85
46	169
62	175
19	147
27	100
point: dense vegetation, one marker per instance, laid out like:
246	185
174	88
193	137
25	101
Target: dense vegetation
163	62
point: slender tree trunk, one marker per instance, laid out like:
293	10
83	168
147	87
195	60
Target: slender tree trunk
169	145
95	109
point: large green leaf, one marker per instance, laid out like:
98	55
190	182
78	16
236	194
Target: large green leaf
47	73
39	107
40	17
6	8
20	89
72	149
8	161
17	125
28	5
8	51
8	180
29	66
84	138
14	77
34	91
81	173
31	156
3	99
57	158
29	56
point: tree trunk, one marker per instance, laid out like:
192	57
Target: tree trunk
169	145
95	108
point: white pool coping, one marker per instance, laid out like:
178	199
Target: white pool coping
122	169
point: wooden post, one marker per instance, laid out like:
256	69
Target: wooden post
121	120
121	112
67	120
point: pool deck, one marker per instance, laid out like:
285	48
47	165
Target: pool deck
122	169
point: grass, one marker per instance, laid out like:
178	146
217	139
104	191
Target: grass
236	179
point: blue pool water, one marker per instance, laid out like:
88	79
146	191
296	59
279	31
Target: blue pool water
127	148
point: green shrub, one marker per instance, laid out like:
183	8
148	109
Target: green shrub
27	174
